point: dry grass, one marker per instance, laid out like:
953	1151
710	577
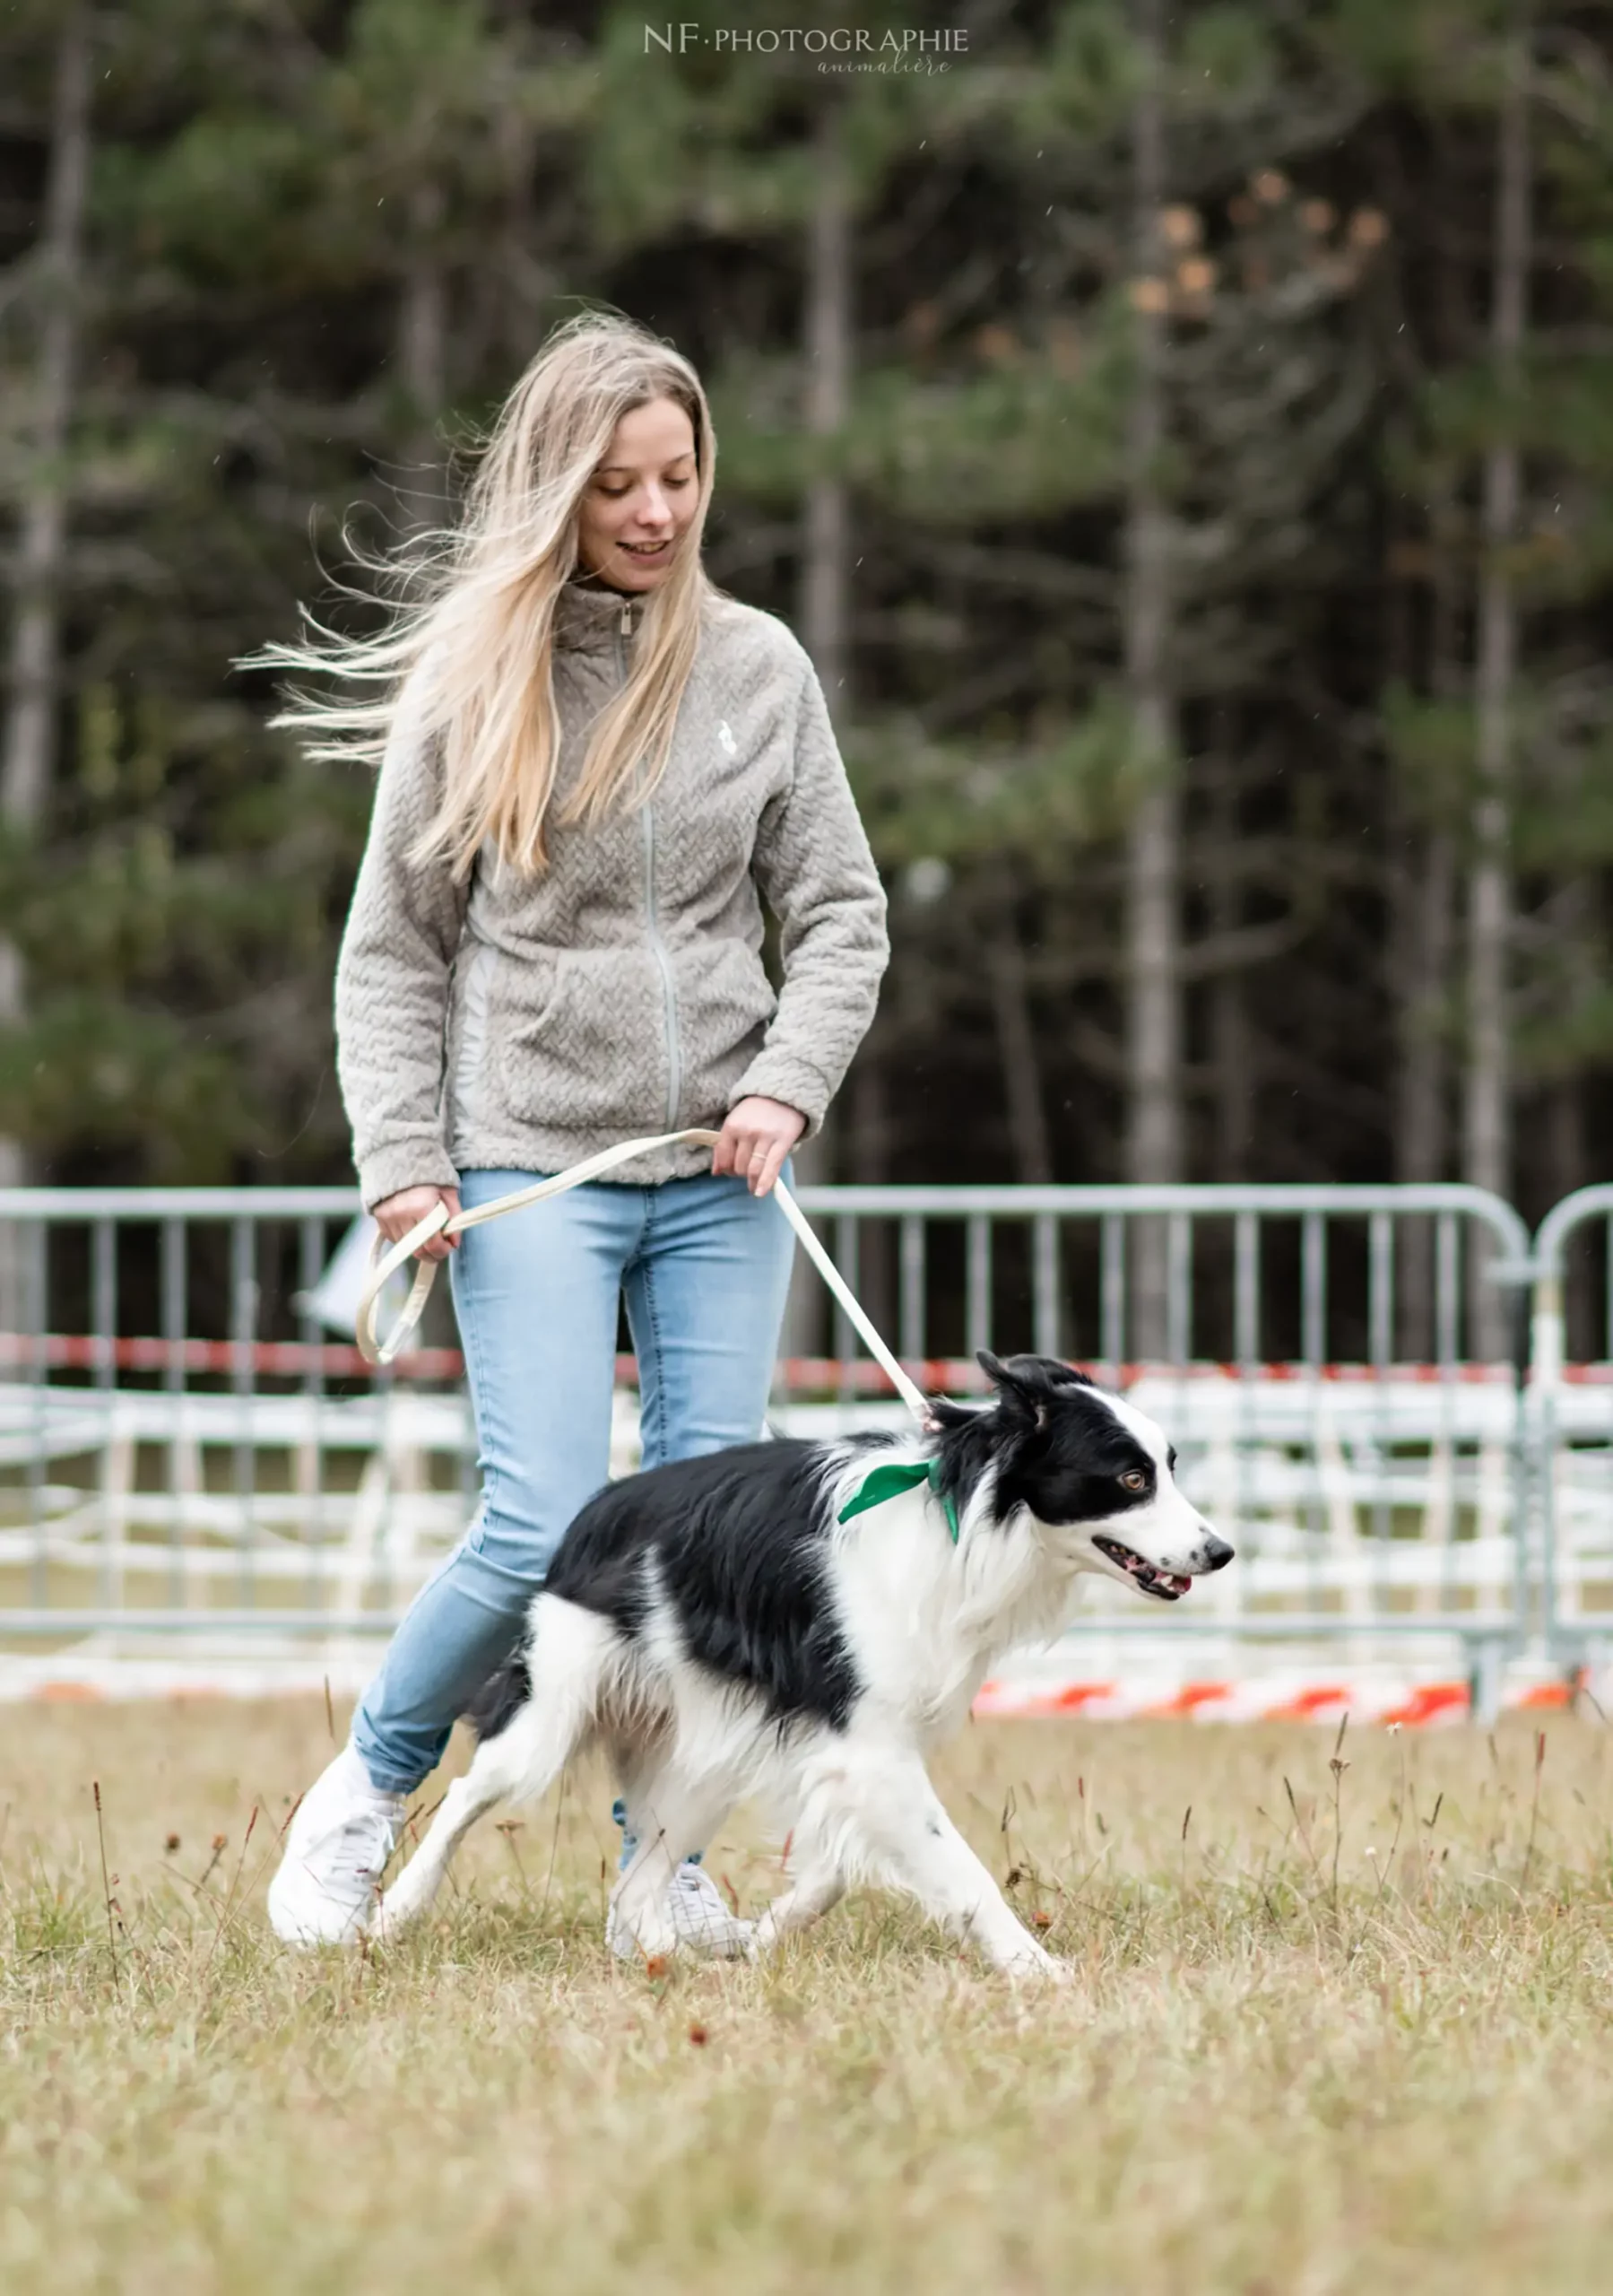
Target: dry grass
1311	2046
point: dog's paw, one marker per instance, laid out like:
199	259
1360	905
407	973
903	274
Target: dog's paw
649	1945
387	1921
1029	1964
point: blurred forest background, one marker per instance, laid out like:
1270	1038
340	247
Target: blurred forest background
1182	435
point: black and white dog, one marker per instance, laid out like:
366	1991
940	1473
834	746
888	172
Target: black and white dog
802	1621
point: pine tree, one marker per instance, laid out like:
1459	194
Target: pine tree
53	300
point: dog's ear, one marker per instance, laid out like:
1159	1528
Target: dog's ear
1027	1383
1021	1385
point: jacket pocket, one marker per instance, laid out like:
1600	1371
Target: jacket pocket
575	1040
727	1001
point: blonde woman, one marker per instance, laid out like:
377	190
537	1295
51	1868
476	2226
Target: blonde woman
595	768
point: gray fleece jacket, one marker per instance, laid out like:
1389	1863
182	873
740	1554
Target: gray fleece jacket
525	1022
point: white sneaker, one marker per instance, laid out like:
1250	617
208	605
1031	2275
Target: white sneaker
700	1916
343	1832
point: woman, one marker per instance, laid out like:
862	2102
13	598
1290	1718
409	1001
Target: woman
594	767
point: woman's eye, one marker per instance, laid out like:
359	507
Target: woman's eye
1134	1479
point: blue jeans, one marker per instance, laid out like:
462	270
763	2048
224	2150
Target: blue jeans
704	1266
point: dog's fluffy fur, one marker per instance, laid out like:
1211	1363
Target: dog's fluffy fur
722	1634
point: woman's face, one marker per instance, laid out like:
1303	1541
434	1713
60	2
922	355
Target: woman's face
641	499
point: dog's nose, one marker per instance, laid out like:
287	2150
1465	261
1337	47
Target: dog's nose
1216	1552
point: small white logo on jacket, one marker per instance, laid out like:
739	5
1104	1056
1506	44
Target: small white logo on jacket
725	736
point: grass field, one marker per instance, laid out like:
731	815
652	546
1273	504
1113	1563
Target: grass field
1331	2031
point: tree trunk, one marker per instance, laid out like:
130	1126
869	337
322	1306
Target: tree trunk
1231	1051
1427	898
1424	890
1153	858
825	565
1430	889
866	1133
1568	1161
1486	1136
1017	1051
28	756
1568	1166
422	358
825	557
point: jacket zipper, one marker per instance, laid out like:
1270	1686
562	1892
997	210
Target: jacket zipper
674	1066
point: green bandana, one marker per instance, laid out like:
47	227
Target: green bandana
890	1481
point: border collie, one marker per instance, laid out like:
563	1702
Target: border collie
801	1622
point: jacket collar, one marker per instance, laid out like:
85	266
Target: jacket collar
592	620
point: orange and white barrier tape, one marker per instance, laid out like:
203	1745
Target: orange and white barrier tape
1275	1696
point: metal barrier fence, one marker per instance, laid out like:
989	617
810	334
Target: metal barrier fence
187	1457
1571	1414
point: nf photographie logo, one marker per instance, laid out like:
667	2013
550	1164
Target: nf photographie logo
833	48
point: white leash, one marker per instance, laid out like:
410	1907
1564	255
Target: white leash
385	1260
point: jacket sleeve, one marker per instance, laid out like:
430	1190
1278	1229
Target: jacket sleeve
391	976
814	869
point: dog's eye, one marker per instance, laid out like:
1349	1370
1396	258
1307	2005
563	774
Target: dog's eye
1134	1479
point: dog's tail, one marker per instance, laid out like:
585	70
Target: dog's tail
502	1696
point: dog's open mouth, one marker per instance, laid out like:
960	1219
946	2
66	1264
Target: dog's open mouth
1161	1584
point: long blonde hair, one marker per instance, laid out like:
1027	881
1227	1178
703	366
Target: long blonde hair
469	650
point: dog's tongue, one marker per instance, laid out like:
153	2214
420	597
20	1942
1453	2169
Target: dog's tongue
1139	1568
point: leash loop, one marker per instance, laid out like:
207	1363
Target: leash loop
385	1260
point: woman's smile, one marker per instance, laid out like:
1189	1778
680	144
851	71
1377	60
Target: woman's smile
641	499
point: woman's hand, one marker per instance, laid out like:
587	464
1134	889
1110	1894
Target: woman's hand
757	1137
394	1215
